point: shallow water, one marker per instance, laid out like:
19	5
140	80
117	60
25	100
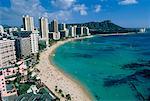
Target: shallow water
104	65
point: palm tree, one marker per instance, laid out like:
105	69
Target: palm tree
62	95
68	97
56	88
60	91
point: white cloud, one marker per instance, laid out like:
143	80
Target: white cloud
70	5
64	4
62	15
31	7
128	2
81	8
97	8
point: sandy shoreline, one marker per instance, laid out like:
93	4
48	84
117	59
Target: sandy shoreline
51	76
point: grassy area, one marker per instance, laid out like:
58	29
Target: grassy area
23	88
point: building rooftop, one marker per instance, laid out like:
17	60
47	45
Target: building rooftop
34	97
5	40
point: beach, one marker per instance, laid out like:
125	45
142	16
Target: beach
51	76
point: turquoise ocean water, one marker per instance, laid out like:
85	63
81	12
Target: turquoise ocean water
112	68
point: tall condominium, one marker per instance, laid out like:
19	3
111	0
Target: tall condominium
23	47
72	31
54	26
7	52
28	23
63	27
86	31
44	28
34	42
80	31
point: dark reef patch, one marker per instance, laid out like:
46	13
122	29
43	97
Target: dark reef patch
108	49
133	45
81	55
146	53
130	80
145	73
137	65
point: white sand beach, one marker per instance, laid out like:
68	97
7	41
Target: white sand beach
51	76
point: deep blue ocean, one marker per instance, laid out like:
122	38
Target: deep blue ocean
111	68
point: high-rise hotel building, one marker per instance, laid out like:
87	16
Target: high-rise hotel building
34	42
44	31
28	23
54	26
73	31
79	31
7	52
54	29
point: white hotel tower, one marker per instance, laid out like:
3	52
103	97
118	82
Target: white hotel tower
44	29
34	42
28	23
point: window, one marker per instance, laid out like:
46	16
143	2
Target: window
1	73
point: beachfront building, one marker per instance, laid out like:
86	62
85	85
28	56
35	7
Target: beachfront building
44	31
86	31
28	23
23	47
72	31
79	31
54	30
22	43
63	26
56	36
27	45
54	26
64	32
34	42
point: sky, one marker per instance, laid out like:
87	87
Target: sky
126	13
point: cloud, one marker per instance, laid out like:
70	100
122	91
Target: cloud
33	8
70	5
128	2
63	4
81	8
62	15
97	8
